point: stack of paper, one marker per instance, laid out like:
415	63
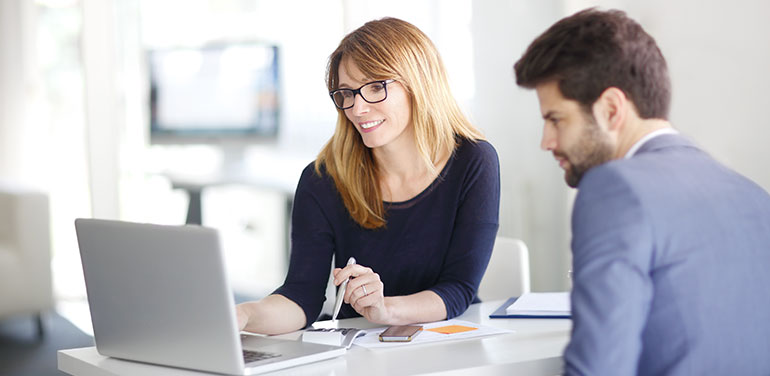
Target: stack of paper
555	304
332	336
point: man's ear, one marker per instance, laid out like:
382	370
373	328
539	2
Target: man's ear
611	109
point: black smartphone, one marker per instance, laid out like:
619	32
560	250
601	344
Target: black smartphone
400	333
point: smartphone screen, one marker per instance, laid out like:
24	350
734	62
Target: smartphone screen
401	333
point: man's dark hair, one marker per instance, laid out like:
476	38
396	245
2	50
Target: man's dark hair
593	50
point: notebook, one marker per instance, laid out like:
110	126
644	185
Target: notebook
535	306
159	294
541	303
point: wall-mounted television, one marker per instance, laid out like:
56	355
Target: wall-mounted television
220	93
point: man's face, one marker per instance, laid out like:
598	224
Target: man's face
573	136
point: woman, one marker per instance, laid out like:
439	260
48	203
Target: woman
406	185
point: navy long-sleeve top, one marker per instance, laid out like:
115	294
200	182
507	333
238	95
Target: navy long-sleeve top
440	240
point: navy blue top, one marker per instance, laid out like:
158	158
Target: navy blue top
440	240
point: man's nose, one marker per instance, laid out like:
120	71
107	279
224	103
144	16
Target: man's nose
548	141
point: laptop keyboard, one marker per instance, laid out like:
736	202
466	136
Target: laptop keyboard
253	356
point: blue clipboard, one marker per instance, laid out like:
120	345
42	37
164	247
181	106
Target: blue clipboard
500	313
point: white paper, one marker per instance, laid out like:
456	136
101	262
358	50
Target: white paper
541	303
371	339
328	337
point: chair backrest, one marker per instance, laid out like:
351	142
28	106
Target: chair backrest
508	272
25	253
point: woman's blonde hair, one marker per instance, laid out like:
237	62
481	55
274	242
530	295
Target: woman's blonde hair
390	48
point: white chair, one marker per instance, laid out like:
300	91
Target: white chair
25	253
508	272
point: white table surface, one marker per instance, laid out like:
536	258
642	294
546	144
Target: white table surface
534	348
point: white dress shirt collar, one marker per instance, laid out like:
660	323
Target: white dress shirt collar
649	136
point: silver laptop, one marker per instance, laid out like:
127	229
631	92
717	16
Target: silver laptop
159	294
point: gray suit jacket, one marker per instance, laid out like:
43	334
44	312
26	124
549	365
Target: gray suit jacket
671	267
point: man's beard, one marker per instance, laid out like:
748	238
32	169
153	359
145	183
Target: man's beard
593	148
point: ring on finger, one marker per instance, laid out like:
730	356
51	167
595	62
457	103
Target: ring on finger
363	287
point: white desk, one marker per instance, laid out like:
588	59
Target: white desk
535	348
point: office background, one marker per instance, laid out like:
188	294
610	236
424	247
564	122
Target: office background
74	120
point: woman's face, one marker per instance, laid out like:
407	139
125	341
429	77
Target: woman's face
386	124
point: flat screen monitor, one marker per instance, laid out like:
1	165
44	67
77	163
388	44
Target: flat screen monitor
214	94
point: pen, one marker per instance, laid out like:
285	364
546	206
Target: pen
341	292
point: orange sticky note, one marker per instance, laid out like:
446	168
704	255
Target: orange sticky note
450	329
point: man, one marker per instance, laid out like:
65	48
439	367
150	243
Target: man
671	250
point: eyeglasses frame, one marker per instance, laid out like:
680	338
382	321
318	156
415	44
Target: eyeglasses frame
358	91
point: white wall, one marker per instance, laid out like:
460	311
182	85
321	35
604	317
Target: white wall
719	61
16	63
718	54
534	198
103	106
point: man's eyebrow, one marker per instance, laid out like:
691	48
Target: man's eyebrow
548	115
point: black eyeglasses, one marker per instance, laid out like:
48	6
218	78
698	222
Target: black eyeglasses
372	92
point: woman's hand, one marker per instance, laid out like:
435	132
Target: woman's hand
273	314
243	317
364	292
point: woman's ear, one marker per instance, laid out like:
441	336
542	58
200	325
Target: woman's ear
611	109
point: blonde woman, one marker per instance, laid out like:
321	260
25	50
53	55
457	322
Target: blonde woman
406	185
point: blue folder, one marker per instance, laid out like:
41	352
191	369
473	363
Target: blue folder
500	313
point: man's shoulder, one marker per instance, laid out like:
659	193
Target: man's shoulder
667	180
647	168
